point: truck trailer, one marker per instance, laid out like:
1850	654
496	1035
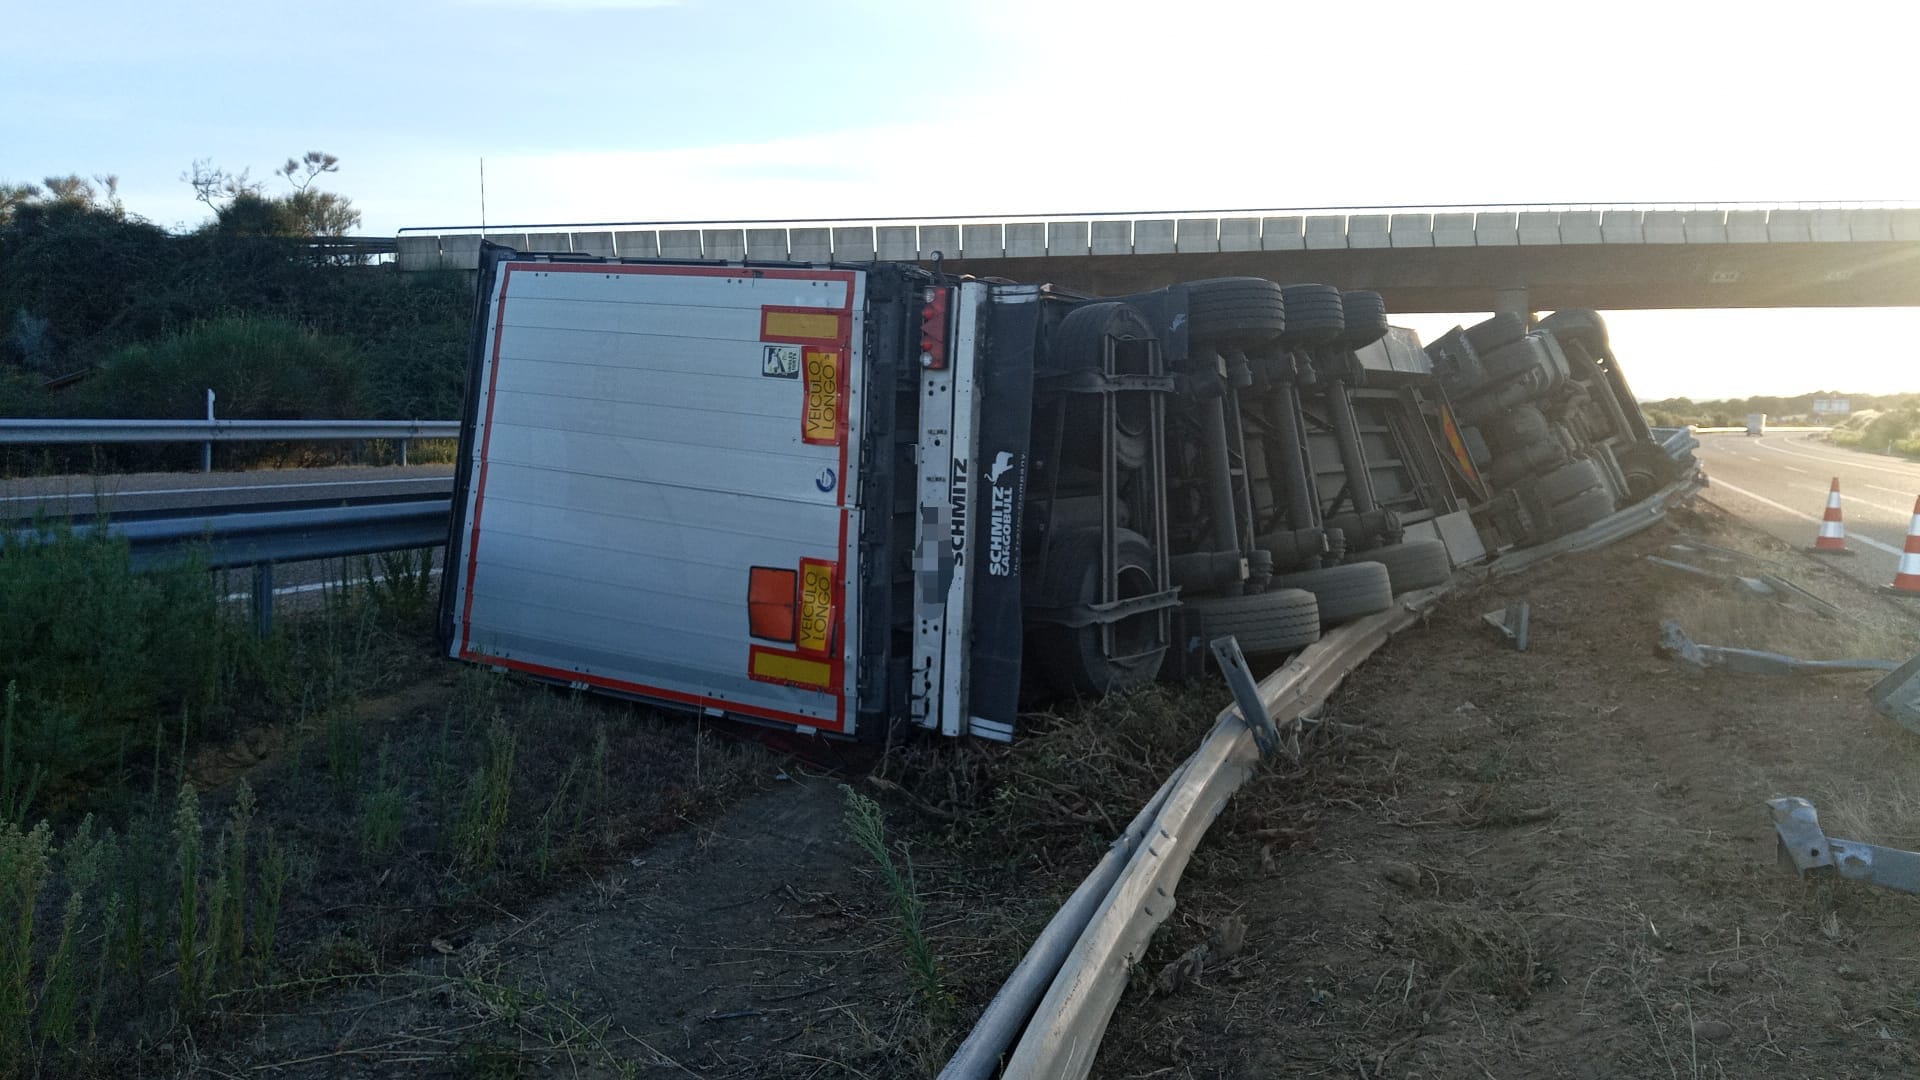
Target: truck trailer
841	498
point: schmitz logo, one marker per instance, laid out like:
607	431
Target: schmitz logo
957	500
1000	515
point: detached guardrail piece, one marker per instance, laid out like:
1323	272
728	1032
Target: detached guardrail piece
1515	622
1675	643
1811	850
1897	697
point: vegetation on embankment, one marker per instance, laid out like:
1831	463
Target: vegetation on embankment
1732	412
105	314
198	827
1895	432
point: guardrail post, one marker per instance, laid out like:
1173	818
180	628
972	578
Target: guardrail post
206	448
403	452
263	598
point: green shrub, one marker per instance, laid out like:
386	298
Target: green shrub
96	652
258	368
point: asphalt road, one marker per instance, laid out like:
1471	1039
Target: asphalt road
87	496
1779	482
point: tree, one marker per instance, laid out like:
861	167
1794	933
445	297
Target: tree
241	206
217	187
101	194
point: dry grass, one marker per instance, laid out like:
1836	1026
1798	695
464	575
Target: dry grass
1719	617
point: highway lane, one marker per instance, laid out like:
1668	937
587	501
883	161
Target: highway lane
86	496
1779	482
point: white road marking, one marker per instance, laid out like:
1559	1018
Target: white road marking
1839	458
317	586
1845	499
1889	491
1802	472
129	494
1867	540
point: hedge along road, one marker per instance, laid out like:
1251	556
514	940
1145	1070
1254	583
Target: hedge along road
1779	482
166	494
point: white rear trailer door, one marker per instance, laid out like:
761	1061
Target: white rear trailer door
659	485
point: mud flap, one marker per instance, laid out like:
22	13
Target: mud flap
1006	408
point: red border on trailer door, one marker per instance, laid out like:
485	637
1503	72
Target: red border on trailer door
846	277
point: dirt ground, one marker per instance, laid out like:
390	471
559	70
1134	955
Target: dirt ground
1491	864
1559	863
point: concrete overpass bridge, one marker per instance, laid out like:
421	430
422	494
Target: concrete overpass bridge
1435	258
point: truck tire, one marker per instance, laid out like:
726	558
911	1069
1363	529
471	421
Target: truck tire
1646	468
1365	314
1413	564
1235	312
1315	315
1521	425
1581	325
1345	593
1276	621
1071	659
1568	480
1495	333
1077	344
1581	511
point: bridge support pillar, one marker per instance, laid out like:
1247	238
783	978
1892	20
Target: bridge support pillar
1512	301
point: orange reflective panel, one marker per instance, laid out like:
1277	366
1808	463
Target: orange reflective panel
772	603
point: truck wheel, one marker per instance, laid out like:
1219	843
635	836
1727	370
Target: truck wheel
1494	333
1344	593
1078	343
1072	659
1235	312
1581	325
1279	620
1365	314
1521	425
1582	510
1568	480
1414	564
1315	315
1646	467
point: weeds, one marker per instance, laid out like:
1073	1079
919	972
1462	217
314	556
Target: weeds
400	584
19	781
867	826
186	834
23	874
483	813
383	814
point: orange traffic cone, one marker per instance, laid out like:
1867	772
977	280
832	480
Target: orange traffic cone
1906	580
1833	533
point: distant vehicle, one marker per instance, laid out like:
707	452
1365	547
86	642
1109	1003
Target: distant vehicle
1756	423
843	498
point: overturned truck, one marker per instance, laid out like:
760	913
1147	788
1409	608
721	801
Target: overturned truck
840	498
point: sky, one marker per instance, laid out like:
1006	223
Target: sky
654	110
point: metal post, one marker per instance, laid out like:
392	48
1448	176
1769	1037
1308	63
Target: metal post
1346	430
263	598
206	448
403	453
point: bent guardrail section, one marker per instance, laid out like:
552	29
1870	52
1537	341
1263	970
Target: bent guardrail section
1074	1008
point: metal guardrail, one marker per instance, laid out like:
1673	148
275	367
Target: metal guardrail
1072	992
261	538
61	432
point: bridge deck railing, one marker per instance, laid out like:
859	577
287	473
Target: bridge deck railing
1175	233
